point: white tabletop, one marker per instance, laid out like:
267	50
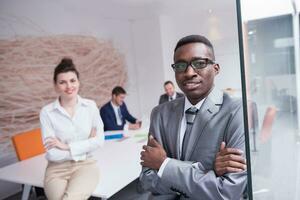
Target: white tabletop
118	161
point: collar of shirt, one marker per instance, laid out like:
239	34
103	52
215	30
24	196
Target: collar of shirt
80	101
187	104
114	106
174	96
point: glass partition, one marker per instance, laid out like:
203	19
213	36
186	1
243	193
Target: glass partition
271	55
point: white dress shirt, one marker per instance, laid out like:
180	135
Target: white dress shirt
119	120
173	96
74	131
187	105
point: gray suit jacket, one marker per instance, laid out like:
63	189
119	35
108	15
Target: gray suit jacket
165	98
219	119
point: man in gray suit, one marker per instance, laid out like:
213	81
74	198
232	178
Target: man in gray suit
185	157
170	94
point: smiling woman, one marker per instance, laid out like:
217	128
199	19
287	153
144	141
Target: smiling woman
71	129
66	82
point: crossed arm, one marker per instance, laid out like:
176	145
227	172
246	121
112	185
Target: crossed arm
209	184
228	160
58	150
54	142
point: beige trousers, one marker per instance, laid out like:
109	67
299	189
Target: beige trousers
71	180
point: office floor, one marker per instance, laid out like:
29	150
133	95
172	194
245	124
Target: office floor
15	197
18	196
127	193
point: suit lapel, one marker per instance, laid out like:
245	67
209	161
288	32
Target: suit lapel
209	108
175	125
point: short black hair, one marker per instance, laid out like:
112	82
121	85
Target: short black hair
195	39
118	90
168	82
65	65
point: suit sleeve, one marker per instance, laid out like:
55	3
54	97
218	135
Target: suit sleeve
149	179
127	115
196	181
105	118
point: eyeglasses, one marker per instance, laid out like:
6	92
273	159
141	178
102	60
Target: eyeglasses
196	64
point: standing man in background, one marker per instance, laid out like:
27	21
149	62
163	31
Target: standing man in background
170	94
114	113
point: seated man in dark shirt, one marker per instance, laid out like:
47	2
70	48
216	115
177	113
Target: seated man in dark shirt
114	113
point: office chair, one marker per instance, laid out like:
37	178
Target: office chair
29	144
267	124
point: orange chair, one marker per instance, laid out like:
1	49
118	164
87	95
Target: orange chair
28	144
267	125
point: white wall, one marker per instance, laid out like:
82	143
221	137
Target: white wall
40	18
220	29
148	63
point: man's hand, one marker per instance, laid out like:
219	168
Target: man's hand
229	160
53	142
139	123
135	126
153	154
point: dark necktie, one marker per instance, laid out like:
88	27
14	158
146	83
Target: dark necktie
171	98
190	115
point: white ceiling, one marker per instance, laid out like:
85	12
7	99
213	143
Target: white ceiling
134	9
255	9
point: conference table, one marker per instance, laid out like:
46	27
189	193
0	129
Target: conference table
118	161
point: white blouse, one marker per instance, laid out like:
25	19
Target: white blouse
74	131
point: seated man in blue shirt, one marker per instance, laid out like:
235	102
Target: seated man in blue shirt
114	113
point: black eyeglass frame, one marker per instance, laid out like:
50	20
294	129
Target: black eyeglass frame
207	62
